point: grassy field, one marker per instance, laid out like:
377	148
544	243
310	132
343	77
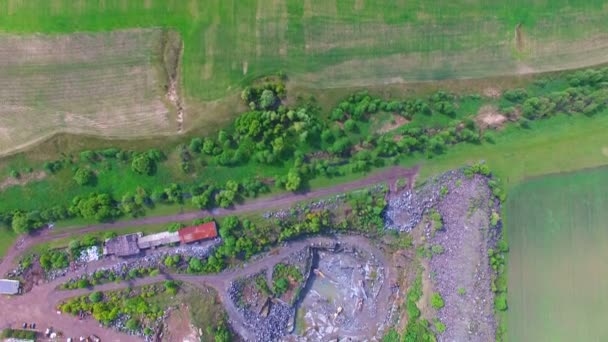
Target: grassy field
100	83
227	42
559	144
108	84
557	232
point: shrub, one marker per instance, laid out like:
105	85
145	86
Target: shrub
500	302
437	249
281	286
84	176
132	324
83	283
462	291
437	301
143	164
439	326
171	287
494	219
350	126
96	297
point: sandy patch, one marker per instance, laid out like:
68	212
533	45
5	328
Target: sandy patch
492	92
605	151
179	328
396	122
22	180
489	117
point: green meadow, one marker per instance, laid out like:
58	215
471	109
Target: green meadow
558	237
333	43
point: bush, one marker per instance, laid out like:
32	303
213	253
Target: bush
143	164
437	249
171	287
84	176
83	283
439	326
494	219
281	286
500	302
437	301
96	297
132	324
351	126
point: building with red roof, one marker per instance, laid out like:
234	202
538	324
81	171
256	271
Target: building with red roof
196	233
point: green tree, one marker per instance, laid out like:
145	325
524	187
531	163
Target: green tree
20	223
97	206
143	164
96	297
195	265
132	324
84	176
500	302
267	99
294	181
196	144
350	126
281	286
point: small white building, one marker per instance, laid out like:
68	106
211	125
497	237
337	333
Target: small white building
155	240
9	286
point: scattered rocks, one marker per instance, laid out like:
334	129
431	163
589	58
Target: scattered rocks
405	210
250	304
461	272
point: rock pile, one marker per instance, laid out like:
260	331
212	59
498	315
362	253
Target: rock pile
405	211
265	328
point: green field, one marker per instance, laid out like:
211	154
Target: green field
557	282
321	43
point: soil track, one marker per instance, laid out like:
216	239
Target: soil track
39	305
390	176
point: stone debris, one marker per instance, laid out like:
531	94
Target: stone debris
405	210
465	207
90	254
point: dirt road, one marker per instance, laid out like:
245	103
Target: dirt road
389	175
39	305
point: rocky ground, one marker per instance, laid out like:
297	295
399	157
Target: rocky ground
462	273
267	319
406	209
344	294
460	269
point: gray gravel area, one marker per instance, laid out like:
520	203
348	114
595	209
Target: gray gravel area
464	264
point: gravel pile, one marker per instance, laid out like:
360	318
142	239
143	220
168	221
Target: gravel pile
92	253
464	264
405	211
269	328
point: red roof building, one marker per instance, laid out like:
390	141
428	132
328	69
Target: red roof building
196	233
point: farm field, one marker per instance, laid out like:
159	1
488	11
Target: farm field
226	44
557	235
319	42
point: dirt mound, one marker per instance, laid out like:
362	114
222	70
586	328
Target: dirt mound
489	117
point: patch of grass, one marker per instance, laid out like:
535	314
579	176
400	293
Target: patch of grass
260	38
524	153
557	239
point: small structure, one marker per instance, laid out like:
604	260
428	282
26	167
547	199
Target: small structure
124	245
156	240
9	287
196	233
